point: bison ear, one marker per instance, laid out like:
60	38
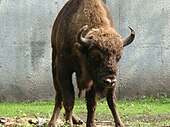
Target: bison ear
81	40
129	39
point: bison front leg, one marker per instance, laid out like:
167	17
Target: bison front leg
57	108
111	100
91	107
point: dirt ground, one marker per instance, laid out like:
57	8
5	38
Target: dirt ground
143	120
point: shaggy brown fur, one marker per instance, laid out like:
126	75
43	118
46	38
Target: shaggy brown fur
95	65
106	38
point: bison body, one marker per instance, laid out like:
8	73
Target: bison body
84	41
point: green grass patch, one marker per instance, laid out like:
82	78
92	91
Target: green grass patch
143	112
145	105
26	109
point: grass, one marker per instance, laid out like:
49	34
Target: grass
146	105
145	112
26	109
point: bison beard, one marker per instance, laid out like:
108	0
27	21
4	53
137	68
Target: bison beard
84	41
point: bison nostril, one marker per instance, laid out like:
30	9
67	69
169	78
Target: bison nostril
114	81
109	81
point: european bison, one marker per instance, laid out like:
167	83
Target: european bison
84	41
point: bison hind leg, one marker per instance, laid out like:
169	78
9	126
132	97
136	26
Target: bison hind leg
57	109
76	120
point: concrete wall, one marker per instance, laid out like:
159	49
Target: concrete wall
25	52
145	65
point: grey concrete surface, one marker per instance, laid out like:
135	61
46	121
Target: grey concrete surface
25	51
145	65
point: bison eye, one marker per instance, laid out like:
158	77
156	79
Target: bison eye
95	58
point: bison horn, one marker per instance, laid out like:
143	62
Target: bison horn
80	39
129	39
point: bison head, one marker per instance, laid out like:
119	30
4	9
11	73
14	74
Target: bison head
102	49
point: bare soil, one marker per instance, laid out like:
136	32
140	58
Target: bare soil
143	120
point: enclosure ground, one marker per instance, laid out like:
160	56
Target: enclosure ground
145	112
142	120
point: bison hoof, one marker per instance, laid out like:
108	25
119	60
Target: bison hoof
51	125
77	120
120	125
